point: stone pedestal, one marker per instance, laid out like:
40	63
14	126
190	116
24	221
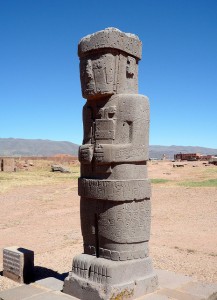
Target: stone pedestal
95	278
114	186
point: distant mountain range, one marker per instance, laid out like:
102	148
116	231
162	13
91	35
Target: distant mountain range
27	147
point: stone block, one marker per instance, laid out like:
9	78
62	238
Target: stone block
18	264
30	292
179	295
90	290
52	296
105	279
171	280
51	283
21	293
155	296
200	289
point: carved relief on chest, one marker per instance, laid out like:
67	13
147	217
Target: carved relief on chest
105	125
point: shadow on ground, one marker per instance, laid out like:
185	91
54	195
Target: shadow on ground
42	273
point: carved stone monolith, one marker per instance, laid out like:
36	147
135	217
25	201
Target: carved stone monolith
115	191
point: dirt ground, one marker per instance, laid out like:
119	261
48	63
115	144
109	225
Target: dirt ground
45	218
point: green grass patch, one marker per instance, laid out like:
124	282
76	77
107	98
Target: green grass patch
211	170
204	183
159	180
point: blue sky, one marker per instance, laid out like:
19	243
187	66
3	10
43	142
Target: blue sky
40	95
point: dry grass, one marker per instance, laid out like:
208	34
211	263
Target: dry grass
39	174
194	174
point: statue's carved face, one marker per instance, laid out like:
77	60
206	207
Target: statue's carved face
98	75
105	74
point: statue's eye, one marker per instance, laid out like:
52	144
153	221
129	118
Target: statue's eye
111	115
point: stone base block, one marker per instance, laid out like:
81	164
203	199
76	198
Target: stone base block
18	264
101	279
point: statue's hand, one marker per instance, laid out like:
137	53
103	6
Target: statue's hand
102	154
99	154
86	153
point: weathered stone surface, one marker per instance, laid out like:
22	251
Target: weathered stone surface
51	283
59	168
111	38
52	296
171	280
156	296
114	187
18	264
200	289
179	295
21	293
116	190
94	290
30	292
180	287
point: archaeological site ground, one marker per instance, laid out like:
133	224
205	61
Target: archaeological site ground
40	211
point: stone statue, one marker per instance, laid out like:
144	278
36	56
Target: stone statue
114	187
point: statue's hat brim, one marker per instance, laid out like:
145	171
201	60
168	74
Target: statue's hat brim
111	38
